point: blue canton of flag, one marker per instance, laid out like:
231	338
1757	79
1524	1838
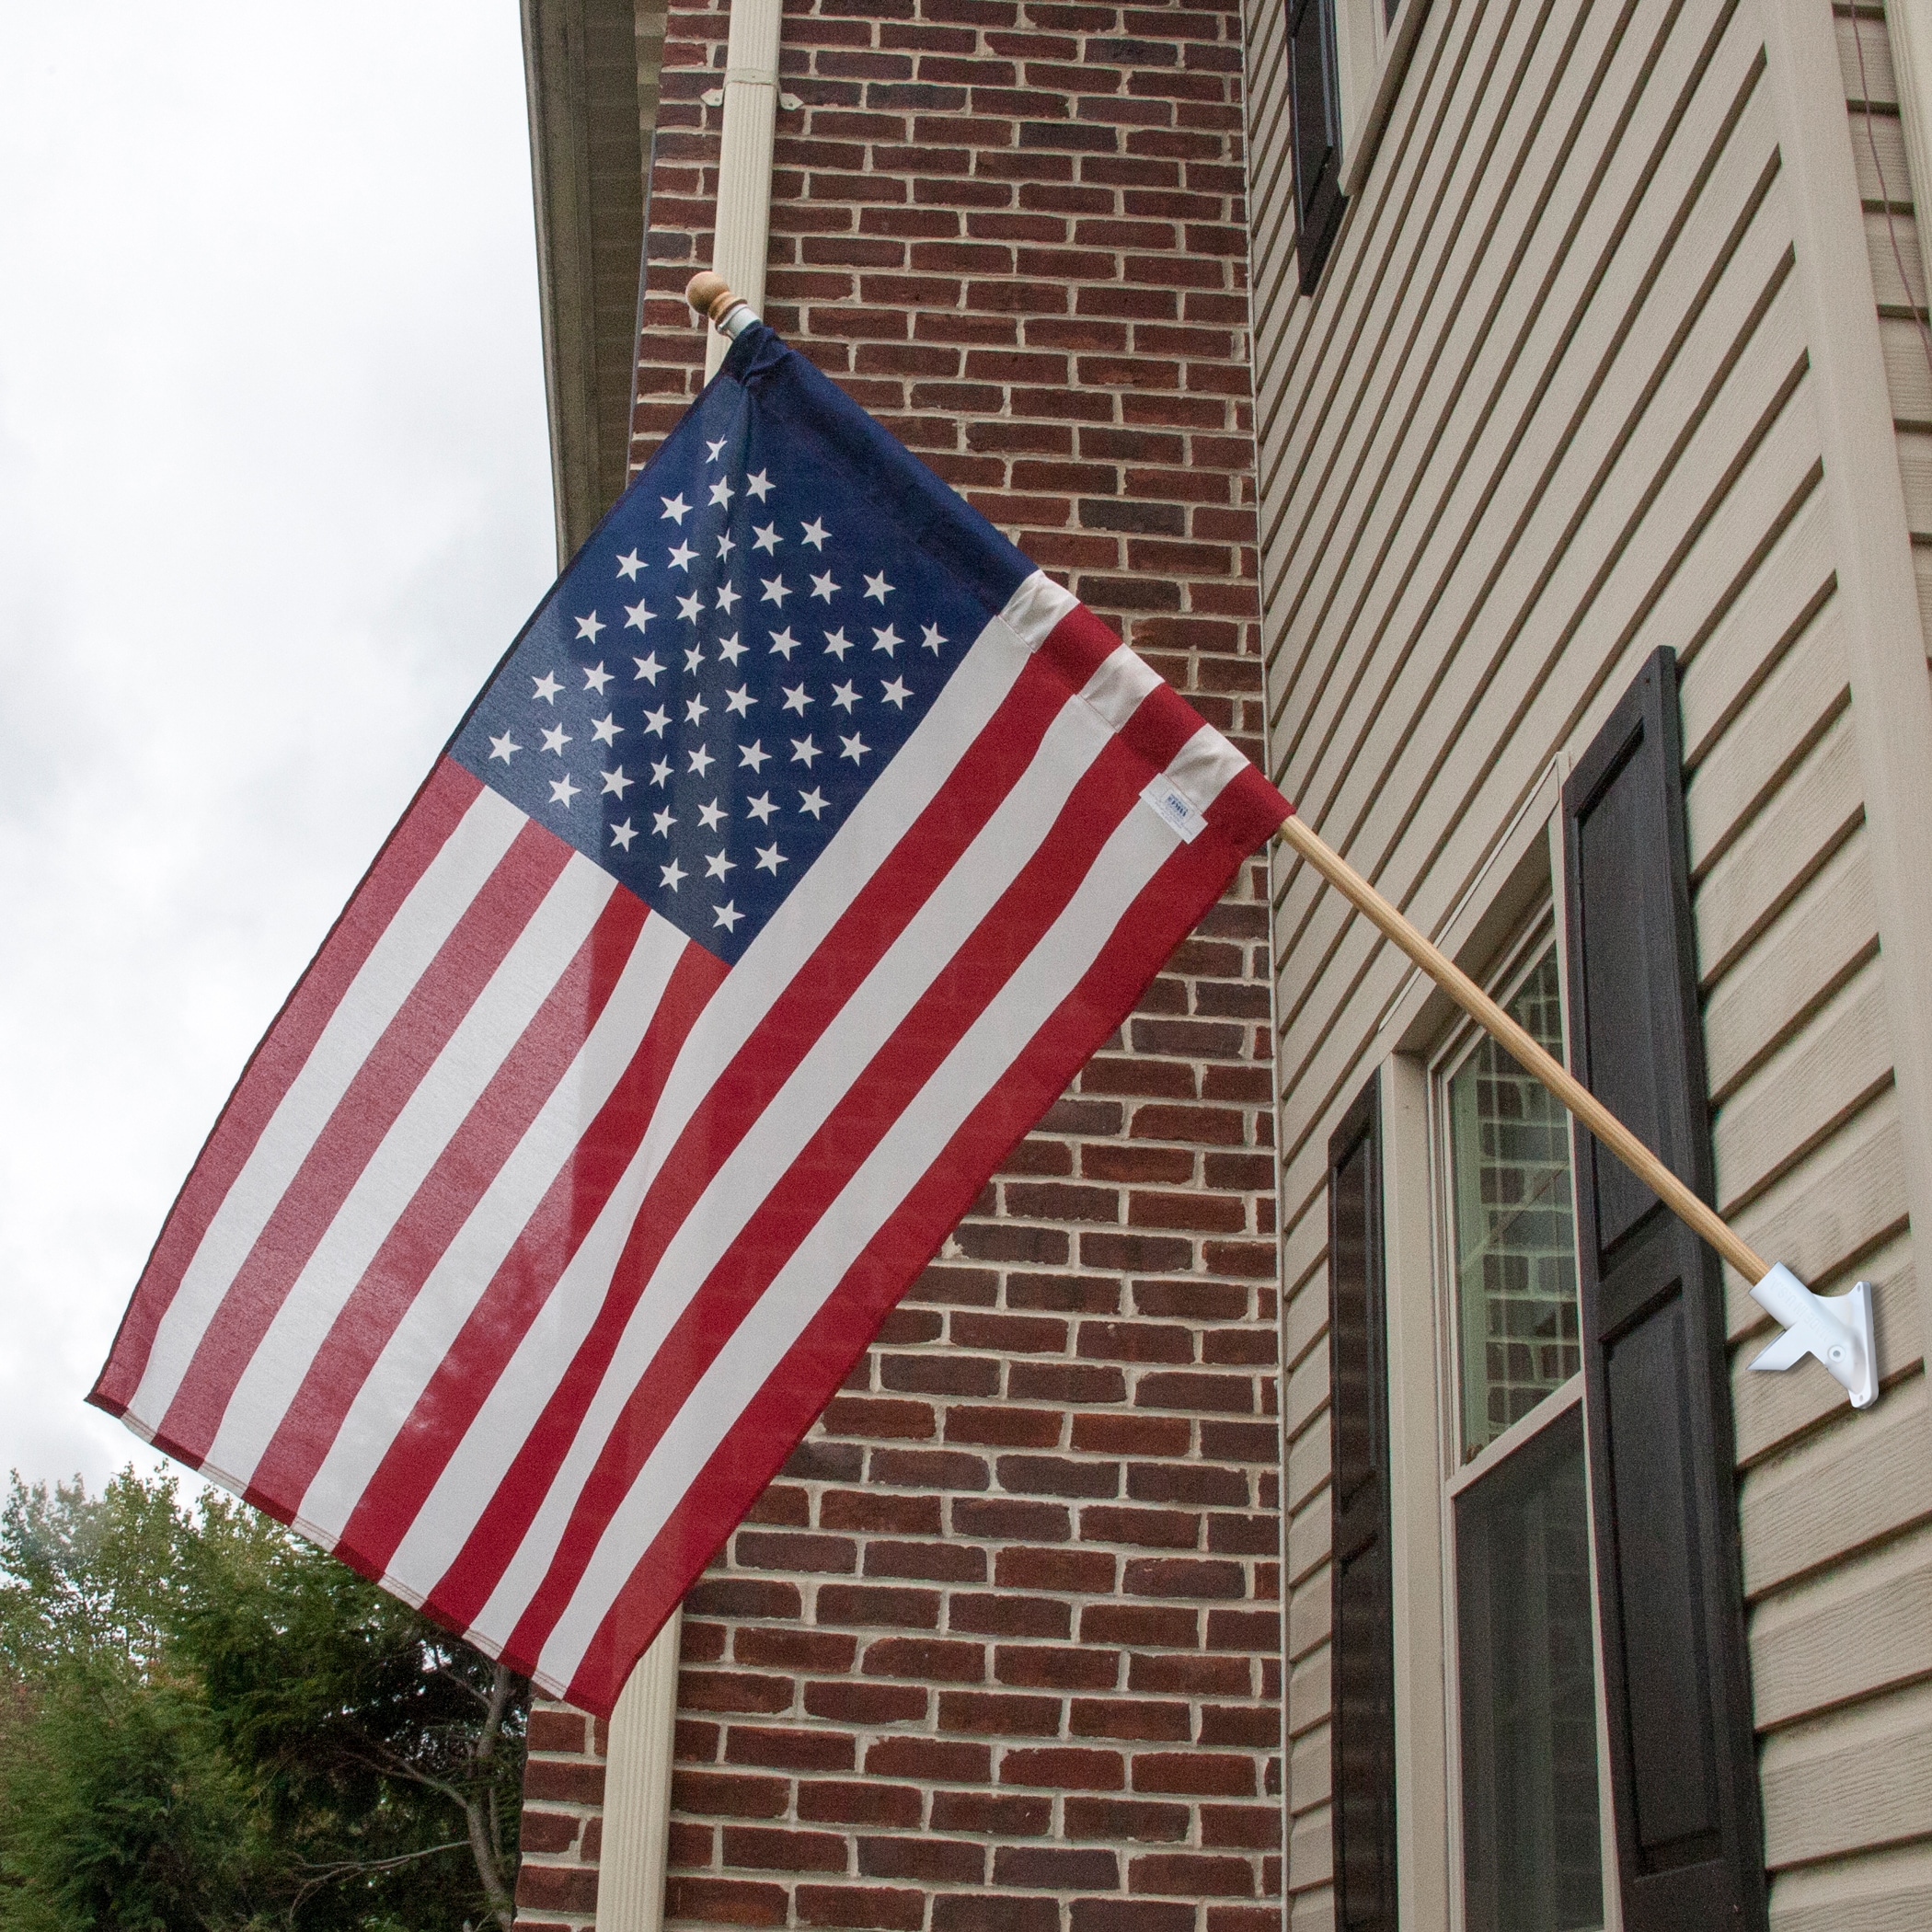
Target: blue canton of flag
730	662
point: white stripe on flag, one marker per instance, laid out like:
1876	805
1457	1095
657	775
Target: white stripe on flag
928	946
1035	608
1138	847
469	1061
428	1331
385	979
907	786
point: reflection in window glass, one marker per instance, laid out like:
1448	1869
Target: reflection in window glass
1531	1850
1515	1234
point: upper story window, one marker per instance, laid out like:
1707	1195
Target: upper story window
1345	62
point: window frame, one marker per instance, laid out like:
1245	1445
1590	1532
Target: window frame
1534	934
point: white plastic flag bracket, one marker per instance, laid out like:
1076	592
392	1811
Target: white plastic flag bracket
1838	1329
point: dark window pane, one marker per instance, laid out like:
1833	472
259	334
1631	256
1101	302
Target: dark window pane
1531	1850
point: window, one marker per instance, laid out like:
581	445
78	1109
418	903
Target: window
1314	107
1525	1684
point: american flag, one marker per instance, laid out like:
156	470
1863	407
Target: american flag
802	848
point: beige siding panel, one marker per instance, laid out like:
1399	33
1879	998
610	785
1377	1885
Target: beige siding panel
1908	370
1306	1318
1865	57
1809	951
1311	1606
1879	154
1764	866
1312	1689
1835	1207
1568	510
1417	302
1897	276
1816	1501
1776	725
1916	473
1313	1042
1888	1890
1810	1086
1922	566
1308	1464
1487	473
1311	1911
1307	1394
1310	1768
1757	622
1593	578
1394	198
1856	1780
1772	1412
1844	1635
1309	1537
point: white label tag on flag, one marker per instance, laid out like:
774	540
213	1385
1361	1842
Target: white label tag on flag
1179	811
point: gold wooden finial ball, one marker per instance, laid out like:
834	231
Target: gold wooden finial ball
708	293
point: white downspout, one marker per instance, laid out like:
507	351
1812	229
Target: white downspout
742	225
637	1779
636	1791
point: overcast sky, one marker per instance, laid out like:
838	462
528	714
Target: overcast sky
274	494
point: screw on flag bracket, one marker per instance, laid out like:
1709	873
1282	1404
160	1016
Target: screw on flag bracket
1838	1329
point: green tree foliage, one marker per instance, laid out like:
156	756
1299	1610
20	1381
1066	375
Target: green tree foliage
206	1725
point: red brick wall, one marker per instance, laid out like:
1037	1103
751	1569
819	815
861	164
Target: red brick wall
1001	1648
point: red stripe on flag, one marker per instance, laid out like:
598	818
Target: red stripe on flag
796	1200
918	862
383	1083
419	836
427	1437
463	1172
1077	646
1163	914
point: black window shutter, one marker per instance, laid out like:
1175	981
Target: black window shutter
1314	99
1361	1663
1683	1766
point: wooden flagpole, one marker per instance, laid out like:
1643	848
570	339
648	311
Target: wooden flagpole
1526	1052
711	297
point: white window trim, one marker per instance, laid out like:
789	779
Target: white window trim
1537	928
1521	872
1371	58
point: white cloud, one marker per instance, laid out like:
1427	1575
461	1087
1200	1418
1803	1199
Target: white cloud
274	494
